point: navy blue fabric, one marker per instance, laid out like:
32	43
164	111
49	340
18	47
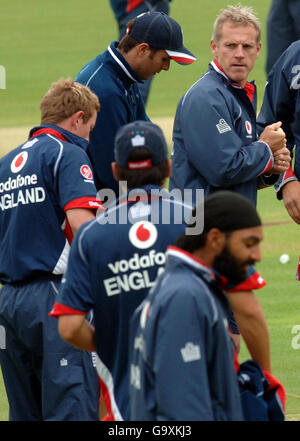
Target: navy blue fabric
111	271
259	404
215	141
283	28
119	7
282	103
111	78
46	379
181	352
32	202
140	134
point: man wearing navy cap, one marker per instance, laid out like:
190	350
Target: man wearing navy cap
126	10
151	41
115	259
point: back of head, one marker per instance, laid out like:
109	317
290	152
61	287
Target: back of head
225	210
66	97
238	15
141	154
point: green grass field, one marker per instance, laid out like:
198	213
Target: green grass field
42	41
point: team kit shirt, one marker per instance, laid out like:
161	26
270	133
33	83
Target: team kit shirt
112	266
217	148
39	181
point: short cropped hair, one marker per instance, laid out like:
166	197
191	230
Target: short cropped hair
66	97
238	15
155	175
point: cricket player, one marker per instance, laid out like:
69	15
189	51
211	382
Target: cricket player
181	353
116	259
216	147
46	193
152	40
282	100
126	10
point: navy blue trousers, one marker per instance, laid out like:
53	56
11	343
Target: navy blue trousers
45	377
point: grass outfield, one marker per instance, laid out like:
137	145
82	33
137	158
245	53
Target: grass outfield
41	44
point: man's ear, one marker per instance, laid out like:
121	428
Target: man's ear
216	240
213	46
115	171
143	48
76	117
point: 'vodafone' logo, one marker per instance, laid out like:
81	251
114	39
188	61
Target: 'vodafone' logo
18	162
143	234
86	172
248	127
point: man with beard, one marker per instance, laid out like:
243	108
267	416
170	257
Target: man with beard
181	352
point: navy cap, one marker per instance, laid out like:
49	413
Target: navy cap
161	32
140	134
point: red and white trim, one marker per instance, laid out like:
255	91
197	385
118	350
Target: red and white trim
86	202
139	165
107	389
190	259
255	281
60	309
181	57
248	88
270	163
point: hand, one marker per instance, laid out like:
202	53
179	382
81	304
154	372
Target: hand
274	136
282	160
291	199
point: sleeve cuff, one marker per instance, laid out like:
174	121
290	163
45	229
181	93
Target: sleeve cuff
86	202
60	309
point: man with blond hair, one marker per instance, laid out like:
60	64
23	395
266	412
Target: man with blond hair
46	193
215	147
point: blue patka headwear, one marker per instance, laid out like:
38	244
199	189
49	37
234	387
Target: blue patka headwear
140	134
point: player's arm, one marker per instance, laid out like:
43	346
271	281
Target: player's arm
75	299
252	324
291	199
213	146
77	331
78	216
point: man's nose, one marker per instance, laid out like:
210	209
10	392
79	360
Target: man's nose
240	53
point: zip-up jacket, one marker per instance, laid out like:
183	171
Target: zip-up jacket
180	350
111	78
215	143
282	103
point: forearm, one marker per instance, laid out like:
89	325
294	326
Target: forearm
253	326
81	336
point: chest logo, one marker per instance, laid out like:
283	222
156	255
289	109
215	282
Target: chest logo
86	172
143	234
18	162
248	127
